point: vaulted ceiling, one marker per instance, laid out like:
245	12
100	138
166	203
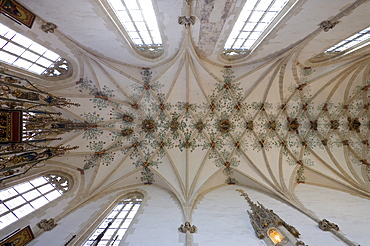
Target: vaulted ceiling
190	121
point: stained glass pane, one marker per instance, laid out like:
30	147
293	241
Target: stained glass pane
3	209
39	202
23	211
15	202
5	194
31	195
7	220
52	195
45	188
20	39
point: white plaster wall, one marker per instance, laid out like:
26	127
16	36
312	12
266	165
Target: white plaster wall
156	222
220	217
350	213
50	210
222	220
73	223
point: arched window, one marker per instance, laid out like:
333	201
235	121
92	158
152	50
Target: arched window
254	23
359	39
139	22
114	226
22	199
22	52
348	45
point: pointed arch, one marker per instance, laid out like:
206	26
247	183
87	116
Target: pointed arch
114	226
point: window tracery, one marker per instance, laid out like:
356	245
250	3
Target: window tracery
20	51
22	199
114	226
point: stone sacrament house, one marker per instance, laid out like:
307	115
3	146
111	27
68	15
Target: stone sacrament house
133	122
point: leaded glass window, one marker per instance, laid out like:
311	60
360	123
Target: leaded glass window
22	199
22	52
253	20
348	45
119	219
140	23
355	40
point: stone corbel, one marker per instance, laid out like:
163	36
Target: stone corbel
46	225
327	25
49	27
326	225
187	21
187	228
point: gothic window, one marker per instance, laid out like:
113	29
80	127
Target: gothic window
140	23
114	226
22	52
253	22
355	41
344	47
20	200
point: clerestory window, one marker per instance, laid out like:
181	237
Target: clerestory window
20	51
114	226
357	41
20	200
348	45
253	21
140	24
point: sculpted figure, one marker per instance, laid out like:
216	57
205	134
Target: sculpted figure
187	227
46	225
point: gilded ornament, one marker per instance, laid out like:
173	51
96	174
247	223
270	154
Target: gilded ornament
354	124
199	126
148	125
272	125
293	124
224	125
334	124
249	125
127	132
